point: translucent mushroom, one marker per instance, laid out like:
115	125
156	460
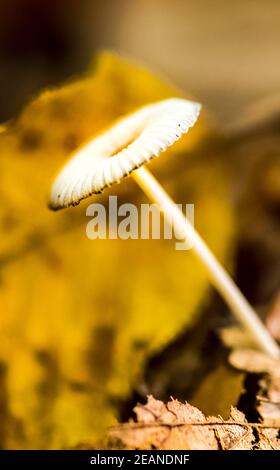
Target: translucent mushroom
142	136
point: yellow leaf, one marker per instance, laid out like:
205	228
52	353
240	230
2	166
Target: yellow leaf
79	318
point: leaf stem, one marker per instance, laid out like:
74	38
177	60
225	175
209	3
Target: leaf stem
179	424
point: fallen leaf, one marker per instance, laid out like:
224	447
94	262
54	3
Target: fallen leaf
181	426
267	400
235	337
268	407
254	362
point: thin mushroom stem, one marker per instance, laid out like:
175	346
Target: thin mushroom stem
224	284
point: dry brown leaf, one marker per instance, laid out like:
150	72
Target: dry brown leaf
268	407
235	337
178	426
267	401
254	362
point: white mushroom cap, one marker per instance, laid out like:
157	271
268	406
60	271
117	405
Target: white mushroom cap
141	136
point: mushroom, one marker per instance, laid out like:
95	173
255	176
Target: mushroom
125	148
